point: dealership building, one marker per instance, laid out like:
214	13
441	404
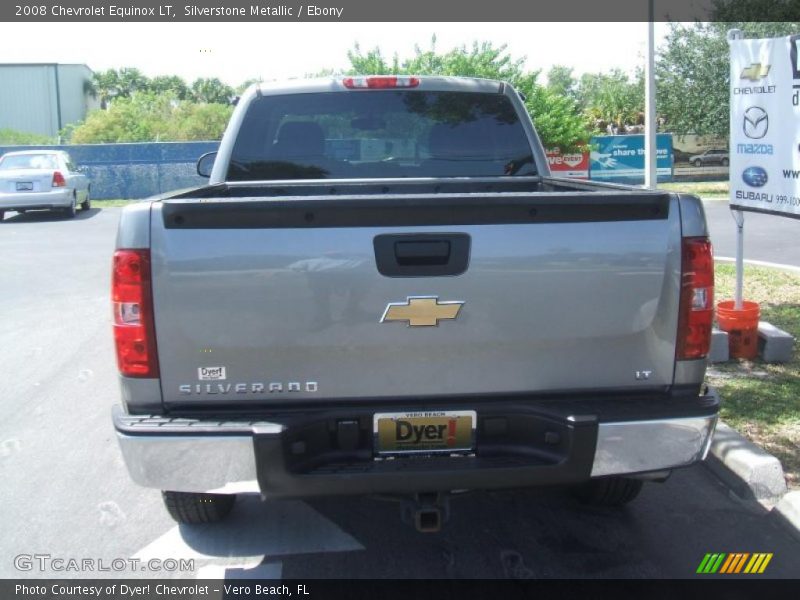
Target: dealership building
42	98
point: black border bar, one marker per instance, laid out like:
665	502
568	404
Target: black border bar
396	11
705	587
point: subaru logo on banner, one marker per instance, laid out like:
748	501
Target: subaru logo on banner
755	176
765	121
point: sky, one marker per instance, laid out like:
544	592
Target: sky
235	52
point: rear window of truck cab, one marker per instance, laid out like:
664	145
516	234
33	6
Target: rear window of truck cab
380	134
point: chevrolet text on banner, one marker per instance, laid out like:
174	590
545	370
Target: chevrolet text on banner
765	125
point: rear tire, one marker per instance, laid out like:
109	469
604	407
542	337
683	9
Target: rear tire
725	162
192	509
610	491
2	214
71	210
87	203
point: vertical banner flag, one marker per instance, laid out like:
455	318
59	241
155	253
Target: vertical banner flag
765	125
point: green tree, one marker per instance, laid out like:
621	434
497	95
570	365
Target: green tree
693	71
240	89
481	59
149	117
142	117
130	81
169	84
11	137
611	99
198	122
561	81
211	90
111	84
105	86
371	63
556	117
775	11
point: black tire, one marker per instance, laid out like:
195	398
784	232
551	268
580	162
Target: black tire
2	214
87	204
696	163
191	509
725	162
71	210
610	491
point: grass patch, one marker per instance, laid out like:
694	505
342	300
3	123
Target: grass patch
762	401
112	202
704	189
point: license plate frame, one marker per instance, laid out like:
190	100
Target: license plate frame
24	186
429	433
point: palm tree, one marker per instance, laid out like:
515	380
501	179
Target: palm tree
105	86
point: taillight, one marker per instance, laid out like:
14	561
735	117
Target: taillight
134	330
58	180
381	82
697	299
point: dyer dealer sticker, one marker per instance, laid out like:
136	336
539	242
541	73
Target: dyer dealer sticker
211	373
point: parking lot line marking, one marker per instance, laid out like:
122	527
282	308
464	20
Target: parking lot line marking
761	263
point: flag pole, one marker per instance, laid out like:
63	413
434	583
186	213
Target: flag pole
738	217
650	126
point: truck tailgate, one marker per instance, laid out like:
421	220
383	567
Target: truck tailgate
267	301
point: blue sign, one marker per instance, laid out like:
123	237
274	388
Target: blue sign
620	158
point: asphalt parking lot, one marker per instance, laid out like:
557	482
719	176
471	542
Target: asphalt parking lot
66	493
767	238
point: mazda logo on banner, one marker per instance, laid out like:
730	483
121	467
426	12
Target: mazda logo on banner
756	123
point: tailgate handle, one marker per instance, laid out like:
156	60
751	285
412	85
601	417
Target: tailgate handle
422	255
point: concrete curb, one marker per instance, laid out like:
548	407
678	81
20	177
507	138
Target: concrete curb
750	471
754	474
788	510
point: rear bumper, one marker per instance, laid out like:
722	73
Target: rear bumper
60	198
285	458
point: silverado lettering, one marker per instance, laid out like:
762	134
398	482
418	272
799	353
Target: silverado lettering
249	388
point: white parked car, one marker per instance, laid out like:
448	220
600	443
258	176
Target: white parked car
42	179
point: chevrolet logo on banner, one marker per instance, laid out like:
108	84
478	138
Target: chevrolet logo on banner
421	311
755	72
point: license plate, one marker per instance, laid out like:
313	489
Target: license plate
24	186
450	431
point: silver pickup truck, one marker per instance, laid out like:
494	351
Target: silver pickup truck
383	291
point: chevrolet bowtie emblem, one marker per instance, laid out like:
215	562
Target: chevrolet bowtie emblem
421	311
755	72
